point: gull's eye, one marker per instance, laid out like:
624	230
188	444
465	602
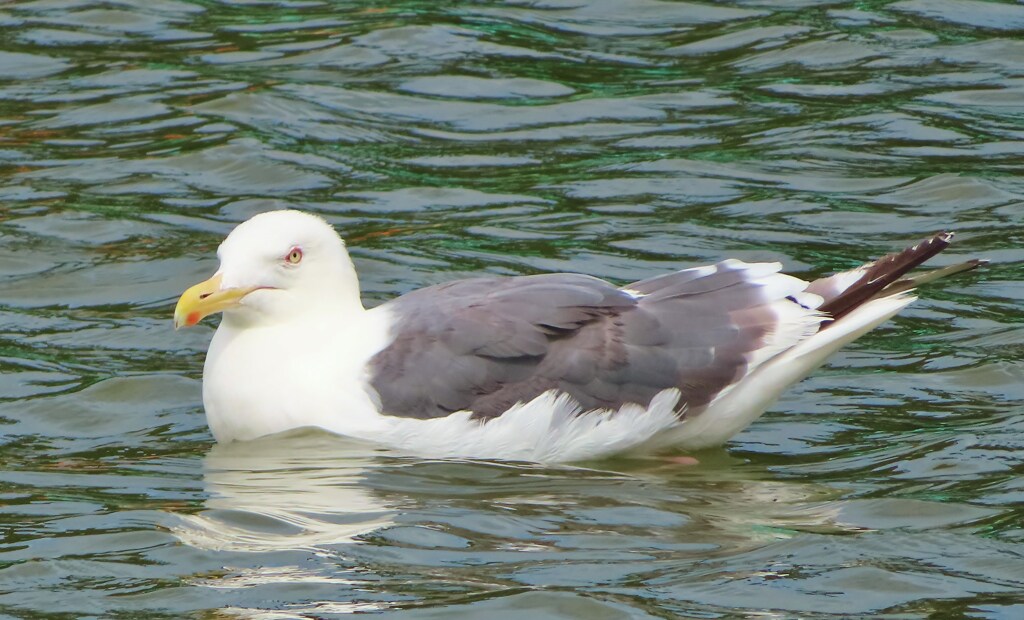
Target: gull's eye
294	256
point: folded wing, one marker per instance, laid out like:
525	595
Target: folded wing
483	345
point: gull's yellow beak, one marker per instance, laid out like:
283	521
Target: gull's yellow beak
205	299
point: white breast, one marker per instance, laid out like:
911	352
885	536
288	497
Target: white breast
275	378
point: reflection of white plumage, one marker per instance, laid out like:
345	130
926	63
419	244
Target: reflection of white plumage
300	493
551	367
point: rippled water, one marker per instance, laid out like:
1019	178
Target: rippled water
618	138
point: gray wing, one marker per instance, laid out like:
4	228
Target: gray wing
486	344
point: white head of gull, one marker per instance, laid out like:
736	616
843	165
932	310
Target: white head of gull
553	367
278	267
294	335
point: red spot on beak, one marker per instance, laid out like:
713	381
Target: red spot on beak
192	319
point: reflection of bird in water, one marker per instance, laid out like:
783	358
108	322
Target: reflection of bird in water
554	367
297	492
337	505
312	490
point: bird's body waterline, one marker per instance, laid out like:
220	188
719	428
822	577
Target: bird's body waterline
554	367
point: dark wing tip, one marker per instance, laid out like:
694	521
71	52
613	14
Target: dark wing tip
945	237
885	271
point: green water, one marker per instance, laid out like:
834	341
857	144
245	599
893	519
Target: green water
619	138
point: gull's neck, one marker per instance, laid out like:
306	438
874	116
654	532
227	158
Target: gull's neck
336	310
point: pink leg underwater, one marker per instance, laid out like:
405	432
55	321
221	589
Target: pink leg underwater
681	460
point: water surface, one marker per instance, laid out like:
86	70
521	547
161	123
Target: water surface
619	138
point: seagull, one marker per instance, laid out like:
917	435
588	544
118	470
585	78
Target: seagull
554	367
